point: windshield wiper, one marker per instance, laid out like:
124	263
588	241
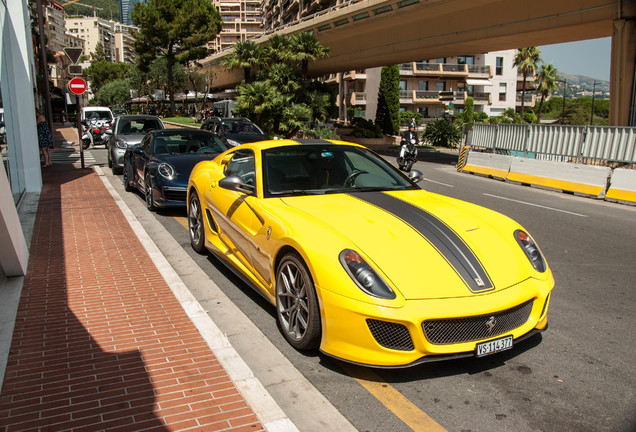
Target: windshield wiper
295	192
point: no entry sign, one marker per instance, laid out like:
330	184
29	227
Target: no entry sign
77	86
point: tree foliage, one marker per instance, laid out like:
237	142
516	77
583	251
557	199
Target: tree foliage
102	72
387	114
176	30
442	132
246	55
113	93
278	97
527	61
468	116
548	82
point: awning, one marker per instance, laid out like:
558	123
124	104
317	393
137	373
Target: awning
482	82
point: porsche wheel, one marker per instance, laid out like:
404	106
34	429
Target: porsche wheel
297	304
127	186
150	202
195	224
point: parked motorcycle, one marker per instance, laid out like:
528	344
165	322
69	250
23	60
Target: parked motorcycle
408	154
95	132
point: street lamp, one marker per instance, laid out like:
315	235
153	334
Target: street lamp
593	93
564	88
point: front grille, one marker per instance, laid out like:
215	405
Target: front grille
458	330
391	335
175	194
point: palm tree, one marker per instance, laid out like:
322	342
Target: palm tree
526	60
277	49
256	98
245	55
548	83
305	47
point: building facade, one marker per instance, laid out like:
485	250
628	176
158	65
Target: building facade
124	44
94	31
125	10
242	20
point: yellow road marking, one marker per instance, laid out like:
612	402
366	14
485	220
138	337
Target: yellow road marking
182	220
403	408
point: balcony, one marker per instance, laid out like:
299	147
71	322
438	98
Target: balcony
426	97
442	70
357	98
354	75
331	78
406	96
406	69
477	72
529	100
482	98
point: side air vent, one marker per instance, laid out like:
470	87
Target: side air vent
391	335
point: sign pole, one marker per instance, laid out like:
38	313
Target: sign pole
79	128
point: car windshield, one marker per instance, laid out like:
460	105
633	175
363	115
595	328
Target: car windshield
317	169
137	126
240	127
188	142
97	115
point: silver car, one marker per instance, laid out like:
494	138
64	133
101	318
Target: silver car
128	130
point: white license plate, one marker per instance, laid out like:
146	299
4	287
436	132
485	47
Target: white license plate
493	346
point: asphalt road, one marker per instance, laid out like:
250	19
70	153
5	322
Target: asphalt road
579	375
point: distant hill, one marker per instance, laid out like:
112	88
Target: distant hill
106	9
584	82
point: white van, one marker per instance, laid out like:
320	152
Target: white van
97	113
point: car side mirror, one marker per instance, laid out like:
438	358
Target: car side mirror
416	176
235	183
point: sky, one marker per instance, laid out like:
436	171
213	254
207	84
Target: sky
590	57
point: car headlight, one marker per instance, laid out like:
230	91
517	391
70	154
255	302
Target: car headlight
232	143
367	279
531	250
121	144
166	171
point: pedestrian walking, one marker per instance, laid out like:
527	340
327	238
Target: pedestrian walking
45	138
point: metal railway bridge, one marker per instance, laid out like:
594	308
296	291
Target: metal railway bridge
371	33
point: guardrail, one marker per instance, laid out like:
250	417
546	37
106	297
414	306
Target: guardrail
598	145
589	160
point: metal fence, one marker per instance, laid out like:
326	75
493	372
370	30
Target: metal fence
597	145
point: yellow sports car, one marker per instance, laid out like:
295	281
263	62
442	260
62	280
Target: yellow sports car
362	263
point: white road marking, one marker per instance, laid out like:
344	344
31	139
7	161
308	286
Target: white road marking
536	205
439	183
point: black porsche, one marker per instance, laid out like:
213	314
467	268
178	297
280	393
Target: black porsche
160	165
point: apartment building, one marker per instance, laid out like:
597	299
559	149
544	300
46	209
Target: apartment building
124	44
94	31
242	20
57	39
433	87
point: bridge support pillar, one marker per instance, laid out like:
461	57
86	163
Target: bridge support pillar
622	110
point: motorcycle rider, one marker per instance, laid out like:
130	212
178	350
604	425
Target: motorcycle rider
409	141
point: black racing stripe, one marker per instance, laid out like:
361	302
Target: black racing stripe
313	141
439	235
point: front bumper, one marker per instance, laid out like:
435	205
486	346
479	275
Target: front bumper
350	327
170	196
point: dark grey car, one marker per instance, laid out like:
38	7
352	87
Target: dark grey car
128	130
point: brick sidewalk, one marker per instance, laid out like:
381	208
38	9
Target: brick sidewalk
100	342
